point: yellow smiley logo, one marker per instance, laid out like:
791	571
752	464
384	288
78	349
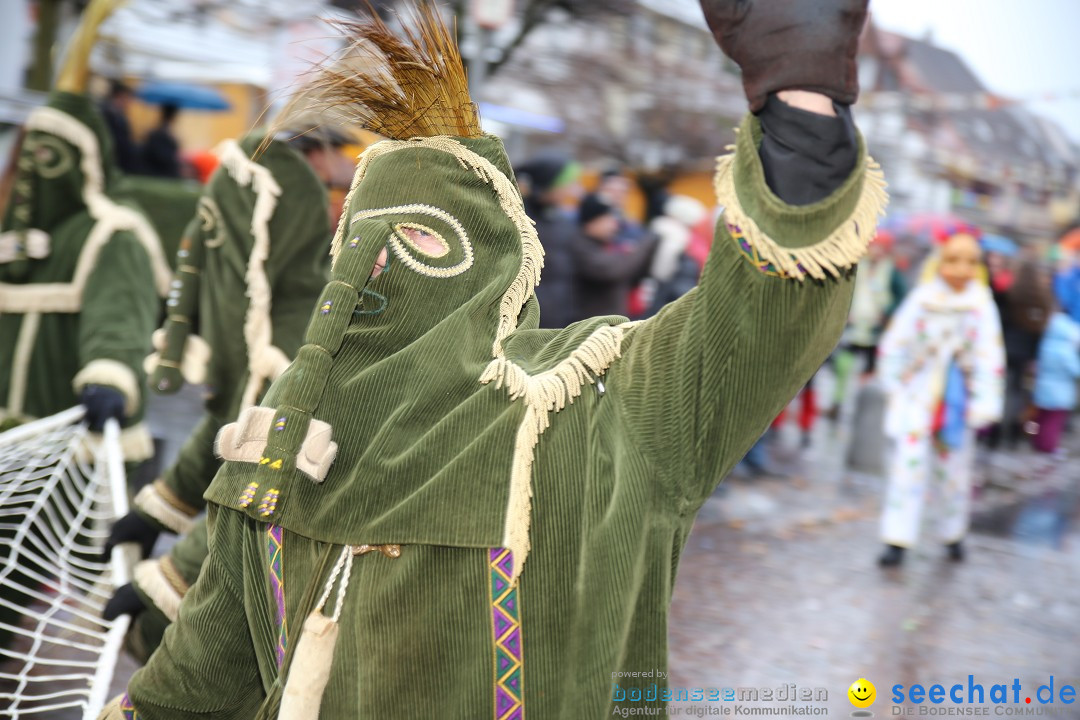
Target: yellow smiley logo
862	693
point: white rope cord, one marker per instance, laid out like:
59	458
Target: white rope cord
57	504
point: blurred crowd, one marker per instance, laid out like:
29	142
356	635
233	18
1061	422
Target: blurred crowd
599	260
159	153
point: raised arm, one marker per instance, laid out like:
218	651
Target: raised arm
702	380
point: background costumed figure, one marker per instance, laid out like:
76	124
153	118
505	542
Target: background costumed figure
249	272
441	509
942	368
80	276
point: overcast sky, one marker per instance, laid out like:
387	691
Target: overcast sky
1019	49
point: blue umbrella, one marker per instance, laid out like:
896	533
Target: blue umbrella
182	95
998	244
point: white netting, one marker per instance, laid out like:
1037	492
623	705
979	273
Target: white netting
59	496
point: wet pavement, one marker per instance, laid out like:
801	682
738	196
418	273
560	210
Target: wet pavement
779	583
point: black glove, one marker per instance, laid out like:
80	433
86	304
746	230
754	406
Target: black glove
791	44
133	527
102	402
125	601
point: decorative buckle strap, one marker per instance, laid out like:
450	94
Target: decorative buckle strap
19	244
245	441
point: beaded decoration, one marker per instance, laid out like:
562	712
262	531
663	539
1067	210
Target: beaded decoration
272	464
248	495
325	307
268	504
280	424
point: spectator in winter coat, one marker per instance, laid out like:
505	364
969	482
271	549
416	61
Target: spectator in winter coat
605	272
673	272
1028	305
161	150
548	182
114	111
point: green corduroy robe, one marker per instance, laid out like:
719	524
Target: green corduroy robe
79	308
539	529
296	268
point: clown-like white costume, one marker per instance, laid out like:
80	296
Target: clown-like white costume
935	327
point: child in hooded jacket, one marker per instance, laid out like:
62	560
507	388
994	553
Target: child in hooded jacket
1055	380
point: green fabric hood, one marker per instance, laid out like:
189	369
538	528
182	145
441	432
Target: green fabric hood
66	154
63	164
401	367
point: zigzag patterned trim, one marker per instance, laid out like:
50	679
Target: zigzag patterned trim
508	644
127	709
275	559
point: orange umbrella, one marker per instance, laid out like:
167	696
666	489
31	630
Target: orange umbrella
1071	240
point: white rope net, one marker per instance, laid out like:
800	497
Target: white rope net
59	495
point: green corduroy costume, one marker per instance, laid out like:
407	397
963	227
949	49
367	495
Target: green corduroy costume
79	290
434	390
440	510
80	275
255	257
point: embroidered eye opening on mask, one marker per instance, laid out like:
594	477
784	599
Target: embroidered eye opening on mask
403	240
428	238
52	156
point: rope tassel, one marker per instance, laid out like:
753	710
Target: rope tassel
309	671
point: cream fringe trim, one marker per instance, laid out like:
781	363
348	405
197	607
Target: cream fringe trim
135	443
114	374
110	216
151	502
20	365
263	362
151	579
842	249
544	393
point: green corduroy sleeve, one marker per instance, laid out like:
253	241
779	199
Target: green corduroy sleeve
206	665
196	464
162	584
188	555
701	381
119	311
